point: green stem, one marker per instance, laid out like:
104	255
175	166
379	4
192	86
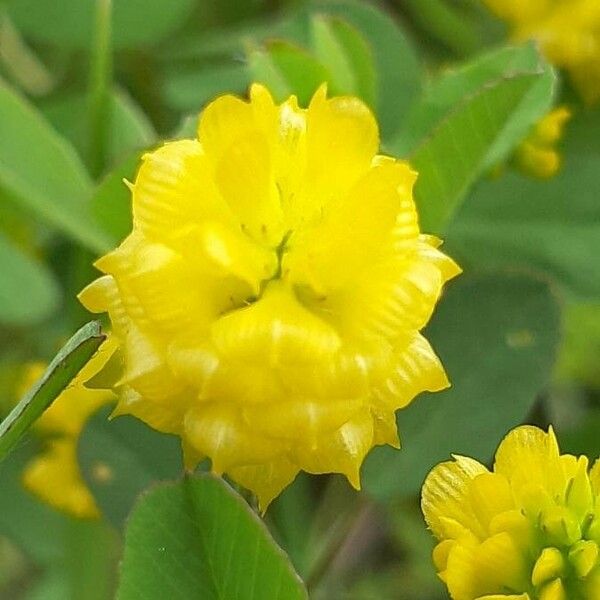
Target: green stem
99	87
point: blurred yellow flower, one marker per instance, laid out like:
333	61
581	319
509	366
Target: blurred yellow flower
529	529
568	32
54	475
269	299
538	155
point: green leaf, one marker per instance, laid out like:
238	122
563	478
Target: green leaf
62	369
552	225
111	201
287	69
330	52
496	335
453	85
43	173
209	545
482	129
359	56
579	358
122	457
129	129
69	23
190	89
28	291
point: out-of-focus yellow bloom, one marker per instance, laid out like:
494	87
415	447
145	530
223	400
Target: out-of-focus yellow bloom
54	475
529	529
568	32
269	299
538	155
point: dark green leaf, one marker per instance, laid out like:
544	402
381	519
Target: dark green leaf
62	369
28	291
43	172
497	336
482	128
122	457
198	539
453	85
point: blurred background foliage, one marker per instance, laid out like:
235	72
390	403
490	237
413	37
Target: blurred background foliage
519	332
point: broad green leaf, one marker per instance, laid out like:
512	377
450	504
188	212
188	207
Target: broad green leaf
120	458
28	291
552	225
62	369
190	89
579	358
497	336
451	86
129	129
459	149
43	173
209	544
69	23
111	201
287	69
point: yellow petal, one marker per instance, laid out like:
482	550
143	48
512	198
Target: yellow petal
356	230
446	494
166	416
216	430
342	139
266	480
275	329
415	369
394	296
340	452
301	419
529	457
174	189
244	176
54	477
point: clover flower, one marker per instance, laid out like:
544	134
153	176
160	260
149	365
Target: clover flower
54	475
269	299
529	529
568	32
537	154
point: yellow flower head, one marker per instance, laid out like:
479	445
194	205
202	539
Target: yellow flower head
529	529
568	32
54	475
269	299
538	155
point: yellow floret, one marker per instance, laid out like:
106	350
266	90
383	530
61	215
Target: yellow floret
568	32
538	155
269	299
528	529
